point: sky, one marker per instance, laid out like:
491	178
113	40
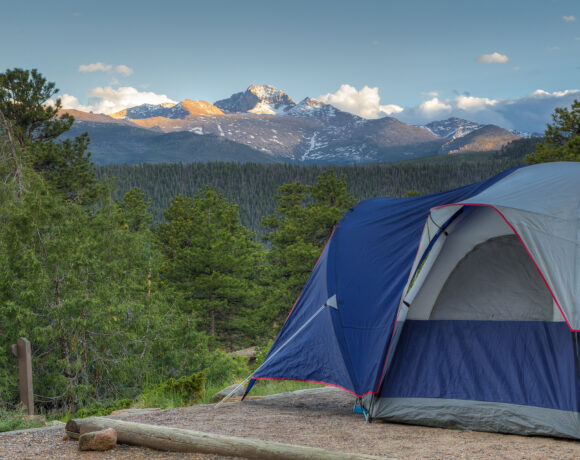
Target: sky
415	60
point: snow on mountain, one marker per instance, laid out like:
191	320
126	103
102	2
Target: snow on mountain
311	108
525	134
268	120
143	111
258	99
452	127
184	109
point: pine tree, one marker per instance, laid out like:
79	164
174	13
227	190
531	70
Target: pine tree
211	260
561	139
304	220
36	124
23	100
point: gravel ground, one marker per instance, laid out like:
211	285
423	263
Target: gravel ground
317	418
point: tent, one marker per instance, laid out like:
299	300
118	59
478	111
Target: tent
457	309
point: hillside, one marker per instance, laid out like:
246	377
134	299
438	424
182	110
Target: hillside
489	137
127	143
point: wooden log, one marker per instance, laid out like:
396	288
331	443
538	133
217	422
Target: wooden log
180	440
73	426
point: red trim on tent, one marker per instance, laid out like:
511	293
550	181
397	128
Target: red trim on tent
525	247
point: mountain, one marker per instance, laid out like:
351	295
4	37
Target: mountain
452	127
310	131
90	117
488	137
258	99
273	127
123	142
182	110
467	136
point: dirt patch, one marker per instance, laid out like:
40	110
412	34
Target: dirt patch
318	418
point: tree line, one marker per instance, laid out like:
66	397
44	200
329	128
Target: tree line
253	186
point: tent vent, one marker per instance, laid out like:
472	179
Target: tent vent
331	302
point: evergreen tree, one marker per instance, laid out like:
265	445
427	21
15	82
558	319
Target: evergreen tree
23	101
211	261
304	220
561	139
35	124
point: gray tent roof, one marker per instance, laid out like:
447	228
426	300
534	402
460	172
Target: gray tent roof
541	204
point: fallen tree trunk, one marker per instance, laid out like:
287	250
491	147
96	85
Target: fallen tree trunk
180	440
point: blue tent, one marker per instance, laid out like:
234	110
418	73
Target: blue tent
459	308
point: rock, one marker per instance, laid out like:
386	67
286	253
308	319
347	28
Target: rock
98	440
35	418
226	391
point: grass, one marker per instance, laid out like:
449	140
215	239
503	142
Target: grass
271	387
11	420
162	398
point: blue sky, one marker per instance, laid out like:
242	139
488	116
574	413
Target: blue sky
411	51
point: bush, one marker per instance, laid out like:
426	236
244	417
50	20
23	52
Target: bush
174	392
262	353
225	369
101	409
11	420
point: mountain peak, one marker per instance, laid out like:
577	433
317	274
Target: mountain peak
259	99
197	108
452	127
310	101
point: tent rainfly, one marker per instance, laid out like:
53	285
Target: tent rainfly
456	309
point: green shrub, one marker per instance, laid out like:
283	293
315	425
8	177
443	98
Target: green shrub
11	420
225	369
174	392
262	353
99	409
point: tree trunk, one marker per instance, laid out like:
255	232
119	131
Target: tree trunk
179	440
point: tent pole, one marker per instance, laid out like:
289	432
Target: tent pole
576	360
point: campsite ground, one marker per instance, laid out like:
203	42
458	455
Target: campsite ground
318	418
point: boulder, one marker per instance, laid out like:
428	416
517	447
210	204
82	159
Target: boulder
98	440
226	391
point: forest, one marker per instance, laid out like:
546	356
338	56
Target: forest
129	280
253	186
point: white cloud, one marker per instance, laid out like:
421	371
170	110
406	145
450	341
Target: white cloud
569	18
493	58
390	109
71	102
433	107
100	67
96	67
110	100
474	104
543	94
364	102
125	70
516	68
529	113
